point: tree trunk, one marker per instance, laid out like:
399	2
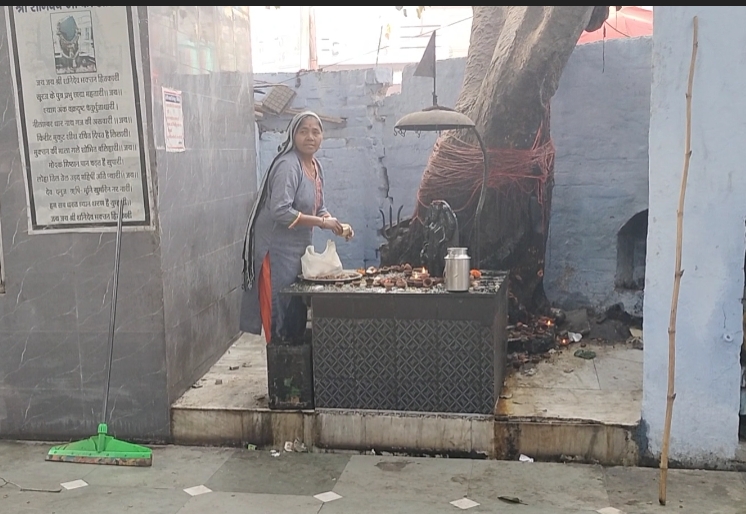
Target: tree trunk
516	57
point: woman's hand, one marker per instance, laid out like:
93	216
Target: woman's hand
347	231
332	224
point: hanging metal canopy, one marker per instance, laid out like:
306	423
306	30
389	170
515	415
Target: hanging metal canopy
434	119
437	118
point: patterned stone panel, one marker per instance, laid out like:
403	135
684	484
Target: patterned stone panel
460	335
460	396
336	333
417	336
335	393
377	395
376	360
413	365
334	363
419	395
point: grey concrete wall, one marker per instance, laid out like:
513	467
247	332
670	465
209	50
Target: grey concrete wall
709	328
179	285
600	119
54	317
204	193
600	128
406	156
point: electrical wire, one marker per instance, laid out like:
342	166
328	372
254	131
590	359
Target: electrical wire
606	23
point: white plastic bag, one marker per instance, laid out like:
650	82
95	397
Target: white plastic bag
321	264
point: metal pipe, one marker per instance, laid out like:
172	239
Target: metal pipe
482	196
113	316
435	95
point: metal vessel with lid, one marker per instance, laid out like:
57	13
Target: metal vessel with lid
457	270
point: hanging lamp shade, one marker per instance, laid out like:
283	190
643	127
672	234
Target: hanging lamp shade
434	119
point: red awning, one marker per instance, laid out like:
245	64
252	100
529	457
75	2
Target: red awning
630	21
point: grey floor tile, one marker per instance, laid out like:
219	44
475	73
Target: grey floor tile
506	508
19	503
405	479
175	467
635	490
618	374
545	486
242	503
383	505
24	464
303	474
14	453
254	481
95	500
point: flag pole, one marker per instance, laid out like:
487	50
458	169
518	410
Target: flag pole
435	95
427	65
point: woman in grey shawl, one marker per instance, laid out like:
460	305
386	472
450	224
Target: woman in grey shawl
289	205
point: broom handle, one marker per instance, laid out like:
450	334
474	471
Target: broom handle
113	317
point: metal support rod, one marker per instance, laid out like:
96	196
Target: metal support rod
435	96
113	316
380	37
435	67
482	196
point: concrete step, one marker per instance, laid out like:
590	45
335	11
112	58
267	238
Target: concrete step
409	432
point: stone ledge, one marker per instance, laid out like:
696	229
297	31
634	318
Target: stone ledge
409	432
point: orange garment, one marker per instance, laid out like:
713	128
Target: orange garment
265	276
265	298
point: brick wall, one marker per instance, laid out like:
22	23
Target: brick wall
600	127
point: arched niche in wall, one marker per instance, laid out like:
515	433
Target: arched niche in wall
631	250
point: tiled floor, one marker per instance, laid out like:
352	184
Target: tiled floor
186	480
237	381
605	389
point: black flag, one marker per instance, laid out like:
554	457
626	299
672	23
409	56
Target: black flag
426	67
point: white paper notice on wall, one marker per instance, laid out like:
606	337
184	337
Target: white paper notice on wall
173	120
80	124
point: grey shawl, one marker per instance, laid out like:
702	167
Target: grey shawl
285	147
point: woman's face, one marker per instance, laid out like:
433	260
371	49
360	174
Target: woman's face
308	137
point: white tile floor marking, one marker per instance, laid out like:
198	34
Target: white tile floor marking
464	503
609	510
197	490
75	484
328	496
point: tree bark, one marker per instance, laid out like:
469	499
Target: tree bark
515	60
531	52
486	26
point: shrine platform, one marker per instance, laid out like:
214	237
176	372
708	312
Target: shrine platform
565	408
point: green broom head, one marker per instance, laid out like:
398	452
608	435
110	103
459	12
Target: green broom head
102	449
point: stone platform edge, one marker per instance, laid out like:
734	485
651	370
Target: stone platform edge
414	433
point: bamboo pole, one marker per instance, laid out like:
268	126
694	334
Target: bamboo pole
671	396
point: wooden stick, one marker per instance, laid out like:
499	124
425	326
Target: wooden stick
259	106
677	275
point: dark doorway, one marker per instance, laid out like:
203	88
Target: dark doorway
631	250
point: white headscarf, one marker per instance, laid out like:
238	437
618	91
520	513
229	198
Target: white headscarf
285	147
